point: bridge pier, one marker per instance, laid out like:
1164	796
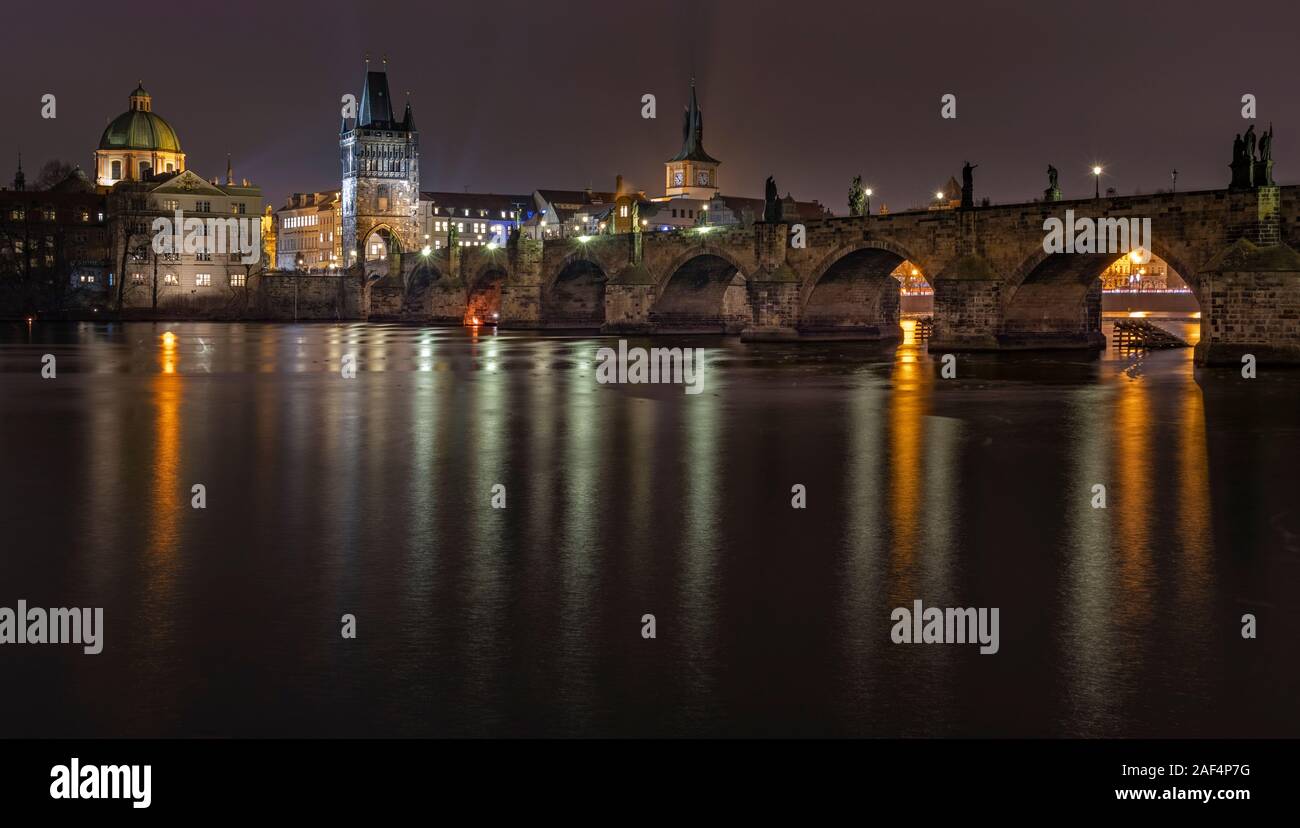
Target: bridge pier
774	298
628	299
521	306
968	300
1250	304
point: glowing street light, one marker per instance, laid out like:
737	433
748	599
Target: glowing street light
1096	174
868	201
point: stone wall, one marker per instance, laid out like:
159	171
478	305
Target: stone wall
283	296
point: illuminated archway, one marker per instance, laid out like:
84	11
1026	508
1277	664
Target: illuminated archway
483	298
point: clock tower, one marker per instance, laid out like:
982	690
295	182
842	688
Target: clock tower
692	173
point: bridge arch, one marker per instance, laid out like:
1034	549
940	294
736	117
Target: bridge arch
1058	296
851	291
380	241
575	296
483	293
705	290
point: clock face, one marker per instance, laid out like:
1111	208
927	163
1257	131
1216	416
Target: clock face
678	177
702	177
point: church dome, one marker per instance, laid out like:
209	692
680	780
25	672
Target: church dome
139	128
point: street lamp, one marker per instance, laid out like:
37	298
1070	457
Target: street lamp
706	214
1096	174
297	273
868	201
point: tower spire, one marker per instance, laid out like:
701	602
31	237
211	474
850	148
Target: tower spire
693	132
408	119
230	172
20	180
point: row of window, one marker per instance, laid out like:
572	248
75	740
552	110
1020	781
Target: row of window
451	211
51	214
145	169
478	227
290	222
302	243
172	279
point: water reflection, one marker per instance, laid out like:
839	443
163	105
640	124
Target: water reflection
372	496
907	412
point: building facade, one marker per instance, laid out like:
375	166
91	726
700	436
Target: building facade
54	238
195	265
469	219
308	232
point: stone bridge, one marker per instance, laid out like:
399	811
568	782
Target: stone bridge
995	286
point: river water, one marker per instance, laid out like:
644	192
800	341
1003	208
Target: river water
372	496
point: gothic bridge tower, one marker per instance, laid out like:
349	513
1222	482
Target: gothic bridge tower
381	176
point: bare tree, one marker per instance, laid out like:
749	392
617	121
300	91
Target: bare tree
52	173
129	222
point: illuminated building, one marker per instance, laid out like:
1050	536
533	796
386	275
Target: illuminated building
381	175
307	232
137	144
1128	274
478	219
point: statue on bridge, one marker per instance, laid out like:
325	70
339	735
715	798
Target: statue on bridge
771	202
968	186
1053	191
1241	166
1264	166
857	197
1247	170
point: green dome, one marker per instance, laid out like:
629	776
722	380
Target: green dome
140	129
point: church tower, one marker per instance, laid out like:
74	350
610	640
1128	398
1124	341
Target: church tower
380	197
692	173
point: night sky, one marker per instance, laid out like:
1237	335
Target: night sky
514	96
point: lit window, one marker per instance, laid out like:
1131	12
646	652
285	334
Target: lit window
170	279
137	278
237	279
203	279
